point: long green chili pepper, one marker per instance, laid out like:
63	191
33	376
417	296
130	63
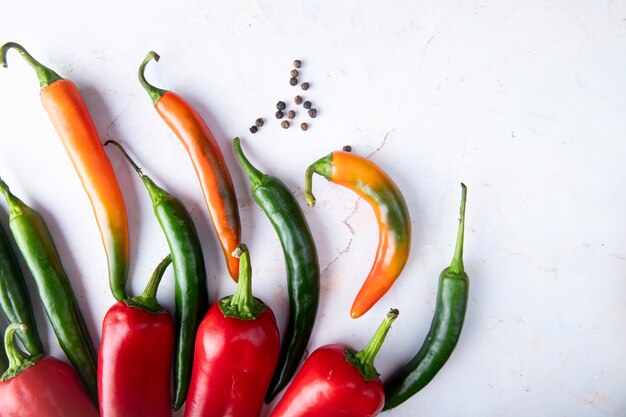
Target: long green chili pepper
445	328
189	271
37	247
14	298
303	272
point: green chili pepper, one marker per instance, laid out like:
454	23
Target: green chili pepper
303	272
189	271
445	328
37	247
4	362
14	298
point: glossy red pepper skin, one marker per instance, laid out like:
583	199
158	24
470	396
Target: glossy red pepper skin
235	354
49	388
233	363
328	385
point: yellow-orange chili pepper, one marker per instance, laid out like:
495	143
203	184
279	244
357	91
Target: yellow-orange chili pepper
208	161
371	183
71	119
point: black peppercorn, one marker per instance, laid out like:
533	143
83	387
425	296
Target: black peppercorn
347	148
307	104
291	114
293	81
305	86
279	114
285	124
297	99
312	113
304	126
295	73
280	105
258	122
297	63
254	129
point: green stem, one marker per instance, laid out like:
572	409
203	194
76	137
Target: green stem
147	300
156	193
456	266
46	75
364	359
15	205
18	360
323	167
154	92
242	304
254	175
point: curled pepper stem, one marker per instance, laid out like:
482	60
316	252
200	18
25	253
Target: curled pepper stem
323	167
242	304
456	266
155	93
45	75
254	175
364	359
18	359
147	299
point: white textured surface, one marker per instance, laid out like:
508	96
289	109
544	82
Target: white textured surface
523	101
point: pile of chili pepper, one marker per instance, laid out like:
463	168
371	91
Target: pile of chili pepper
227	359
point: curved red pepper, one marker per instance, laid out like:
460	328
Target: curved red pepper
40	386
338	381
135	358
236	352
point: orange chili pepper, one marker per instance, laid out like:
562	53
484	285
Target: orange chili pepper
208	161
371	183
72	121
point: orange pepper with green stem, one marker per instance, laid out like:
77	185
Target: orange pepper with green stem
71	119
376	187
208	161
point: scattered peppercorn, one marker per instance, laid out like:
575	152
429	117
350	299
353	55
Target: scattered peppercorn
254	129
347	148
291	114
285	124
312	113
293	81
298	99
297	63
305	86
280	105
304	126
258	122
280	114
295	73
307	104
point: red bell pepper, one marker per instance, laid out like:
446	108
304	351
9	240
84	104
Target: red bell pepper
336	380
40	386
135	358
236	352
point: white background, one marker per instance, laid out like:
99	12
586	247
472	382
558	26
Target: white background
523	101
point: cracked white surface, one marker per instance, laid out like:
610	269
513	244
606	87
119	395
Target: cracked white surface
524	102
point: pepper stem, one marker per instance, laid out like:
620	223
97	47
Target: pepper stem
364	359
46	75
242	304
323	167
18	359
254	175
16	206
147	300
126	156
155	93
456	266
